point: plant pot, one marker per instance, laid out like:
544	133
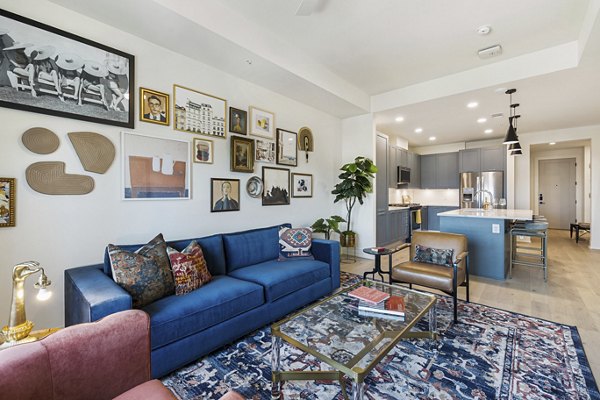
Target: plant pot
348	239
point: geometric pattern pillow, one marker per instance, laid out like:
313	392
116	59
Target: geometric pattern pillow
295	243
145	274
189	268
433	256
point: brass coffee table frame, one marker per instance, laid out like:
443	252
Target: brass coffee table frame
350	368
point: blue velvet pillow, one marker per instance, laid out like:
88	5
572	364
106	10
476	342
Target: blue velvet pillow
431	255
295	244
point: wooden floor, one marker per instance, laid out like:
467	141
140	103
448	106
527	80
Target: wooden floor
571	295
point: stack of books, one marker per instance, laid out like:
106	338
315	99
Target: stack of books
378	304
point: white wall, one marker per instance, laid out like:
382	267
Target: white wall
587	180
69	231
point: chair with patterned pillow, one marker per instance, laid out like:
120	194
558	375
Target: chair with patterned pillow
438	260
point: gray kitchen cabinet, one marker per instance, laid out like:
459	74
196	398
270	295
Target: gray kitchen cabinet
428	168
469	160
381	177
404	231
403	158
382	230
414	163
493	158
424	218
447	171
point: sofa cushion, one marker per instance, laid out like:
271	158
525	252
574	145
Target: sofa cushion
145	274
251	247
189	268
282	278
295	243
175	317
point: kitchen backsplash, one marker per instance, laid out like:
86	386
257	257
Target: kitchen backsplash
426	197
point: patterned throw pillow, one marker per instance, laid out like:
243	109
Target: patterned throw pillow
189	268
430	255
146	274
295	243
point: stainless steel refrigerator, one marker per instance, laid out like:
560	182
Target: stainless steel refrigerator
477	187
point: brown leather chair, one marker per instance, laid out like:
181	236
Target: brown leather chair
440	277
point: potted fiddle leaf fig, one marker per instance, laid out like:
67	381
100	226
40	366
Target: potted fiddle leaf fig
327	225
355	183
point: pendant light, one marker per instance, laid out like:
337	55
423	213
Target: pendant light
515	148
511	133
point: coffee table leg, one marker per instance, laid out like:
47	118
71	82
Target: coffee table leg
433	319
358	390
276	385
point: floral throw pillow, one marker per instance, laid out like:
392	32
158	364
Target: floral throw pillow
189	268
295	243
431	255
145	274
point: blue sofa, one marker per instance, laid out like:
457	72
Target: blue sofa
250	289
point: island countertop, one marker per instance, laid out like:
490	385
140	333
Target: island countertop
510	214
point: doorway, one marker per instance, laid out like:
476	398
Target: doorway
556	198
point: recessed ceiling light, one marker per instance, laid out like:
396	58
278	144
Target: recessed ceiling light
432	138
472	104
482	120
488	131
484	30
399	119
552	143
418	130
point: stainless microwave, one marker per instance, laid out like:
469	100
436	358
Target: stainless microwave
403	175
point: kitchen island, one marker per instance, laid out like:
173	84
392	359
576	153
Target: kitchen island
488	235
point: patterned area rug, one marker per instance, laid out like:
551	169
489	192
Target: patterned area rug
490	354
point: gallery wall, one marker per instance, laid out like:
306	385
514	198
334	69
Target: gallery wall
68	231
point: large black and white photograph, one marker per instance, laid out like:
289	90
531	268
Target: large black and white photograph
276	190
46	70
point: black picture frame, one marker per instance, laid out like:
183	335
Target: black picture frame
238	121
276	186
217	194
287	148
302	185
62	67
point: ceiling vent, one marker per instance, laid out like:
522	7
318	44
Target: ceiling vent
490	52
497	115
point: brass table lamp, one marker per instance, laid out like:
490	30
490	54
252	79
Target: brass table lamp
18	326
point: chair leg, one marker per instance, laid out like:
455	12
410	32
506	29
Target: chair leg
455	292
455	308
410	285
467	276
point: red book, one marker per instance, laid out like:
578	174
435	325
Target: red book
370	295
392	306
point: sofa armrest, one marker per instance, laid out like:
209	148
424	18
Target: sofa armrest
328	251
90	294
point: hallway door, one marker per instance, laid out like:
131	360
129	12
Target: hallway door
557	192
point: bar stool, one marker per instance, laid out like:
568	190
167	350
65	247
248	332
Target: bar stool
537	228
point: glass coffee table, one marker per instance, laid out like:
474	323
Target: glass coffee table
335	332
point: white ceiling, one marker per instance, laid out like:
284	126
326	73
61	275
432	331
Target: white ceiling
391	57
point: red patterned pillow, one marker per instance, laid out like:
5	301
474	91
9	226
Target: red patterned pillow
189	268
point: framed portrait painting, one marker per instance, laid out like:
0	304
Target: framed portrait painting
302	185
262	123
276	186
7	202
154	106
197	112
287	148
58	73
264	151
242	154
155	168
238	121
224	194
203	151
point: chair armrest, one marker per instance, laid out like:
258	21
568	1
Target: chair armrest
328	251
402	246
461	257
90	295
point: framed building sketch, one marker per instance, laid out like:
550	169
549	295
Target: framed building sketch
238	121
262	123
58	73
203	151
155	168
242	154
302	185
287	148
7	202
197	112
224	194
154	106
264	151
276	186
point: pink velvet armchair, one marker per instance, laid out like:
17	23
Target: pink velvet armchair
106	359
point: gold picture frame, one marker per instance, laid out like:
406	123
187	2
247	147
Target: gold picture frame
262	123
198	112
242	154
7	202
155	107
203	151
